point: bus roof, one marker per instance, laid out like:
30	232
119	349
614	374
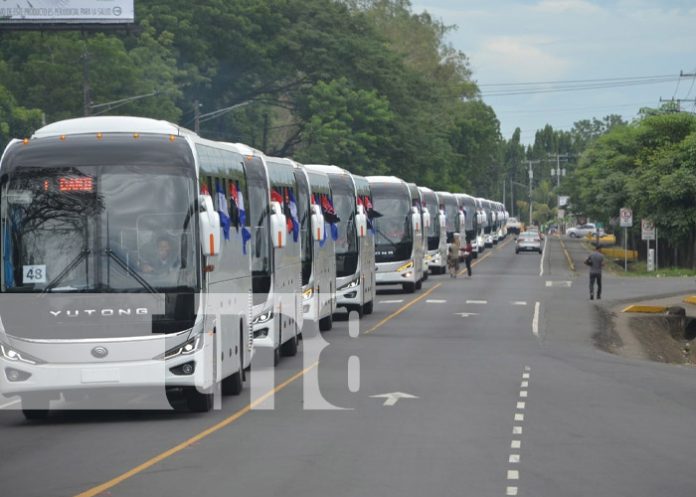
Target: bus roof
111	124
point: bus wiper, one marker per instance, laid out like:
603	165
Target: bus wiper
393	244
124	265
78	259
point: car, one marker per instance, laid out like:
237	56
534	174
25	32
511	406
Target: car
535	229
528	241
583	230
513	226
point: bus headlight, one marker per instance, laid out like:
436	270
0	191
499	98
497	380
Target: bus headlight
307	294
12	354
406	266
186	348
263	317
351	284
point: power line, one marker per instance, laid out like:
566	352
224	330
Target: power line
598	86
576	81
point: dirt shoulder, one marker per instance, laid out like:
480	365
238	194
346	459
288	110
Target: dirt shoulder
656	337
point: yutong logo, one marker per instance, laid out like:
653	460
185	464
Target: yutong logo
73	313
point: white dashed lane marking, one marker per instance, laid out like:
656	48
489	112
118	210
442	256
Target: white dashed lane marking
476	301
519	302
513	475
397	301
435	301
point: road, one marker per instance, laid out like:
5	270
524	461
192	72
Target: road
512	399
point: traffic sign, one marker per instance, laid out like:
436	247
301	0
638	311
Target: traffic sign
647	230
626	217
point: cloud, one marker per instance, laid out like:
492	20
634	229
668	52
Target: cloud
520	59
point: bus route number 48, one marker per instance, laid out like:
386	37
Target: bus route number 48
34	274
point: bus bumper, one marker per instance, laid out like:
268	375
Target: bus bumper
396	273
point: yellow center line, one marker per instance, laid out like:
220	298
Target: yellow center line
99	489
421	297
402	309
94	491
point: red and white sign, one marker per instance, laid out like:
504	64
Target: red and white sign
626	217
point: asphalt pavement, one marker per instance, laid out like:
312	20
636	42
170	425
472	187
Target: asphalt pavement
504	394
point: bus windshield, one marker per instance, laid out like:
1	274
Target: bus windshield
347	241
92	228
394	239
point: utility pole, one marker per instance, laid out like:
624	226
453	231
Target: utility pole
196	117
558	172
678	101
86	89
531	176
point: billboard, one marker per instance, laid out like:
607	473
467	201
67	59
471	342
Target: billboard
18	12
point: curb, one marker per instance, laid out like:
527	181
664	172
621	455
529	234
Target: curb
646	309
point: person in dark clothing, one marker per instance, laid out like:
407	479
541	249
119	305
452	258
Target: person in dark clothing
595	260
468	255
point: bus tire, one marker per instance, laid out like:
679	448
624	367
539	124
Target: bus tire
426	273
326	323
276	356
409	287
40	408
232	385
369	307
419	284
197	401
357	308
289	348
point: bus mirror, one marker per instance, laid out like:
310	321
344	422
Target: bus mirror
209	221
361	224
279	231
462	221
317	223
426	219
442	219
416	221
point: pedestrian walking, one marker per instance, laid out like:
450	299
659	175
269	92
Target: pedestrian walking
468	255
453	256
595	260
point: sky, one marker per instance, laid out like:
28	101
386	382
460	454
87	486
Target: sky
511	42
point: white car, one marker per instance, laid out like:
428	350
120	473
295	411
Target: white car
583	230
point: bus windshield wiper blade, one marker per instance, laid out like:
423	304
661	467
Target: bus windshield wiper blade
130	271
54	282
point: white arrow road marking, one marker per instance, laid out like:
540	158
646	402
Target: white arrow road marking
435	301
476	301
465	314
393	397
398	301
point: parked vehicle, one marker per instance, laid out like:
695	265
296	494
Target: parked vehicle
347	220
140	275
436	232
277	321
398	240
513	226
467	205
582	230
318	251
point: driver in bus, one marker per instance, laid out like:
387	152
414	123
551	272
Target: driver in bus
165	258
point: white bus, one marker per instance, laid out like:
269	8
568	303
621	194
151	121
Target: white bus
467	204
482	224
453	216
277	322
355	266
436	232
399	232
125	267
318	248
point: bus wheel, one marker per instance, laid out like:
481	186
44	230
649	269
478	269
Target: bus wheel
197	401
369	307
232	385
419	284
326	323
276	356
409	287
357	308
35	408
289	348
